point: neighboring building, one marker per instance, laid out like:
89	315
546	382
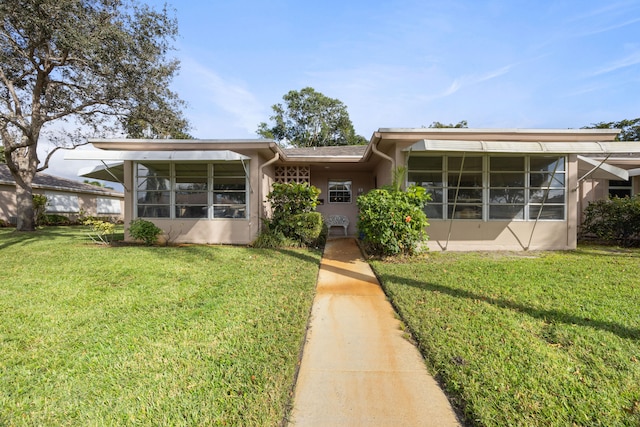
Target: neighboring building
64	196
510	189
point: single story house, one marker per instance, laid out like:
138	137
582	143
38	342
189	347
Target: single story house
507	189
64	196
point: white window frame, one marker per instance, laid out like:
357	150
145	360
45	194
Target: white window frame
347	183
211	203
486	187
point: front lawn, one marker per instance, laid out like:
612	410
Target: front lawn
196	335
549	339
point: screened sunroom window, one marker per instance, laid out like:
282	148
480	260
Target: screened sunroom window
491	187
191	190
153	190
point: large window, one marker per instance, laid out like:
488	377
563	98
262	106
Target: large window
108	205
62	202
191	190
492	187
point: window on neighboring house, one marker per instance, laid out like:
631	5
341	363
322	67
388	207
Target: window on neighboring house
491	187
108	205
339	191
62	203
191	190
620	189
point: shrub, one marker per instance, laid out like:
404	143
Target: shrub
392	221
307	227
100	231
39	207
294	222
55	219
291	199
613	220
141	229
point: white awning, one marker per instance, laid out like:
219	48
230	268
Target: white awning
634	172
597	169
584	147
113	172
115	155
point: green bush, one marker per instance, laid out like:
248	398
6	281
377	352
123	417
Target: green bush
141	229
56	219
294	222
613	220
307	227
392	222
288	200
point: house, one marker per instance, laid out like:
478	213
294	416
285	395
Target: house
64	196
508	189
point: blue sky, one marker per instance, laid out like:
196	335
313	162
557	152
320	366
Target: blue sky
496	64
503	63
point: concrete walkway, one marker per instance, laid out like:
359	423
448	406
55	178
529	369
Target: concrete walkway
357	369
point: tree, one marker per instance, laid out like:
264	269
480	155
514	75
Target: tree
459	125
91	64
310	119
630	129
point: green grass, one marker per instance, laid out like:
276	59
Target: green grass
128	335
548	339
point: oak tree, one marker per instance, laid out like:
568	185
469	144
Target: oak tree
74	68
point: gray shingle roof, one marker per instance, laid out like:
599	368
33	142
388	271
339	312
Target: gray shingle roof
50	182
331	151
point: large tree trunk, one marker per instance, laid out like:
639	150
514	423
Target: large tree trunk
23	164
24	205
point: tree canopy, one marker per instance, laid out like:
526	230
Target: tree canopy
460	124
93	65
310	119
629	129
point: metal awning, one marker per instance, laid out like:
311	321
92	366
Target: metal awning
104	172
597	169
116	155
582	147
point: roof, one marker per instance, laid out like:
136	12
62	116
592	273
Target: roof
49	182
331	151
530	147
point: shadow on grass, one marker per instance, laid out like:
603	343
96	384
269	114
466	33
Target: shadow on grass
546	315
11	237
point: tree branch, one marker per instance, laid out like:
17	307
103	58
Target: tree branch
45	165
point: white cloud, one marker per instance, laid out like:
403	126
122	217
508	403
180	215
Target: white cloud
628	61
470	80
228	104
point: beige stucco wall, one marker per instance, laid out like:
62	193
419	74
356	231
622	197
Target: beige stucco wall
499	235
86	202
362	182
7	202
